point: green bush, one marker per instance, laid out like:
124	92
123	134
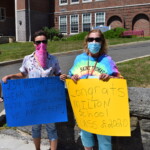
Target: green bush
114	33
56	38
52	32
76	37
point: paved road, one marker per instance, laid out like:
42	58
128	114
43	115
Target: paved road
118	53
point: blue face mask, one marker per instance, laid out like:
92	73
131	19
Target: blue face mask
94	47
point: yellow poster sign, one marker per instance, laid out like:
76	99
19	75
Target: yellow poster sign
101	107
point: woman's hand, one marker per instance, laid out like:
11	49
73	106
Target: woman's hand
5	78
13	76
104	77
75	78
63	77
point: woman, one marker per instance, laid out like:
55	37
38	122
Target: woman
94	63
39	64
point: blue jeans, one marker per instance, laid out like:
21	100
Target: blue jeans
51	131
104	142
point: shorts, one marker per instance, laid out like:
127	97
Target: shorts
104	142
51	131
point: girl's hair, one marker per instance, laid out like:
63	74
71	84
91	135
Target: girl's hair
103	42
38	33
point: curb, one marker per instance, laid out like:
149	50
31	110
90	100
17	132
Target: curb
132	59
77	52
72	52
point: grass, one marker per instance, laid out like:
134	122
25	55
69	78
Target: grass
136	72
4	127
17	50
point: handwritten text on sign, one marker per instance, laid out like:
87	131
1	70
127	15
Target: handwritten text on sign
34	101
101	107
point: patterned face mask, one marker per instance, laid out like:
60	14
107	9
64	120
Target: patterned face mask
94	47
41	54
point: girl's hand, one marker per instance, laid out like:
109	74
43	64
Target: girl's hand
104	77
75	78
63	77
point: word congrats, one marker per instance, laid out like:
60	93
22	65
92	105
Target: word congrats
101	107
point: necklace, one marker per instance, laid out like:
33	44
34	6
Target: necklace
88	72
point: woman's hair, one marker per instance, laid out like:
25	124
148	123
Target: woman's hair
38	33
103	42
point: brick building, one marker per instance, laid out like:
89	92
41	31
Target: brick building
21	18
73	16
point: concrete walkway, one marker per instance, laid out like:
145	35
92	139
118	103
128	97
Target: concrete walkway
8	142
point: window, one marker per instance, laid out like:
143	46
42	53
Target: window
99	0
2	14
99	18
74	23
63	24
63	2
86	1
86	20
74	1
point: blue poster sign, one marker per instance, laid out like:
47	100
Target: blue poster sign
34	101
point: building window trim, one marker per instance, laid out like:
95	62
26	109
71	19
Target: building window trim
99	0
86	1
72	3
104	20
64	24
90	22
62	4
71	24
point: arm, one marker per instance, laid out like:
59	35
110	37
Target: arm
106	77
13	76
112	70
75	77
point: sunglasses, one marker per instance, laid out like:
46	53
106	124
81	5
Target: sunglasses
98	39
38	42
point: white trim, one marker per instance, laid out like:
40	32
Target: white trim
99	0
16	20
72	3
105	8
104	17
66	23
21	10
70	24
62	4
89	1
29	18
90	19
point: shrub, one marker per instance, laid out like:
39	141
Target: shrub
114	33
56	38
52	32
79	36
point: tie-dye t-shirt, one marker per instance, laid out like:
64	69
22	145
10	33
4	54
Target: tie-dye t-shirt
84	64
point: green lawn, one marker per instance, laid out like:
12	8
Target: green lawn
136	72
17	50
